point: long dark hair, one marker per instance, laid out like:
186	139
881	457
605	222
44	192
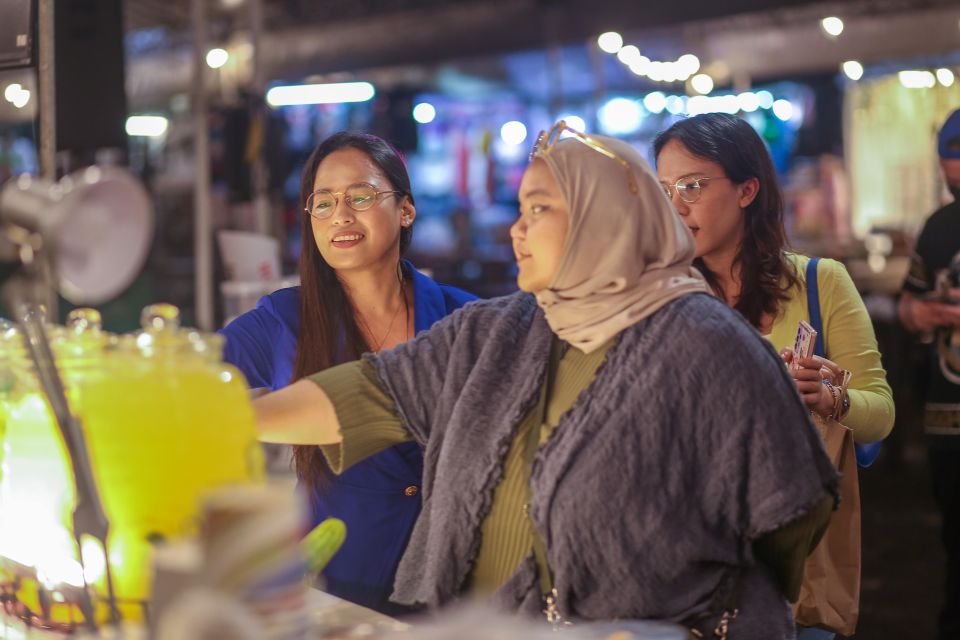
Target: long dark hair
329	333
766	277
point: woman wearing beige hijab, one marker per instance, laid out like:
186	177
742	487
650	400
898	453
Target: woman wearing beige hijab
611	442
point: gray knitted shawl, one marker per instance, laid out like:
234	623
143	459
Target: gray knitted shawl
689	444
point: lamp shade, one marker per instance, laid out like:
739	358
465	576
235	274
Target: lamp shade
97	223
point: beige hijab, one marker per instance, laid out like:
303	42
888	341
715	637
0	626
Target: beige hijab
626	254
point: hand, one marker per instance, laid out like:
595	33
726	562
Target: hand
950	313
809	374
927	315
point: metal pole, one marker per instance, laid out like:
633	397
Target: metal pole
256	32
259	174
47	105
202	242
47	89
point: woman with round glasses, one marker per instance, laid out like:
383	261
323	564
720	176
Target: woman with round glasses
593	446
355	295
719	176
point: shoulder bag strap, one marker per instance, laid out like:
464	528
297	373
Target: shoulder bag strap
866	453
813	307
532	443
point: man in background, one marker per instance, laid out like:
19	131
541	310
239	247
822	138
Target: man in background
930	304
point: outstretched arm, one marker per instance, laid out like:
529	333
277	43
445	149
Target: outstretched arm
301	413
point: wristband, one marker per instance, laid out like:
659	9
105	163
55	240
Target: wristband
835	395
844	406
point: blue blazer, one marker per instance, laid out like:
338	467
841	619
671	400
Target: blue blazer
379	498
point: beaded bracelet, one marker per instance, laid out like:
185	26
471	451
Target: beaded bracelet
841	399
842	403
835	394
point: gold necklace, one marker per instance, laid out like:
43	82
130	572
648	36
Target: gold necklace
403	297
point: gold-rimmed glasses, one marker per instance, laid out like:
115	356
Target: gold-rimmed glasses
688	188
547	139
361	196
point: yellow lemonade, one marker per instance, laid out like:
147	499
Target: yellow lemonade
166	423
36	487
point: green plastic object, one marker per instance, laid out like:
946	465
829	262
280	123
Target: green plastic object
323	542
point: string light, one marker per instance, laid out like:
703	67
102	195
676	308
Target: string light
610	42
853	69
702	83
832	25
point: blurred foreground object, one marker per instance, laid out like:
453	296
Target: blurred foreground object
98	223
164	422
323	542
476	622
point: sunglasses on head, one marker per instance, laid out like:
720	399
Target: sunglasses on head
547	140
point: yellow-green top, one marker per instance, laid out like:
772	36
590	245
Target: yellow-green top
850	342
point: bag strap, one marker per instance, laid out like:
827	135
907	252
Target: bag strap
547	590
866	453
539	548
813	306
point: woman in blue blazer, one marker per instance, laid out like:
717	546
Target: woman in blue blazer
356	295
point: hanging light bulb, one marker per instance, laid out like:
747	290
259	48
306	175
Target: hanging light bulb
610	42
853	69
702	83
832	25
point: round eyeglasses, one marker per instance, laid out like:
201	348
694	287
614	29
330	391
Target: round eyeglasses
359	197
688	189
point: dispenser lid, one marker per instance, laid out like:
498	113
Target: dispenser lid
162	333
81	338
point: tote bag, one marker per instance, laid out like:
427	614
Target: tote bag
830	591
